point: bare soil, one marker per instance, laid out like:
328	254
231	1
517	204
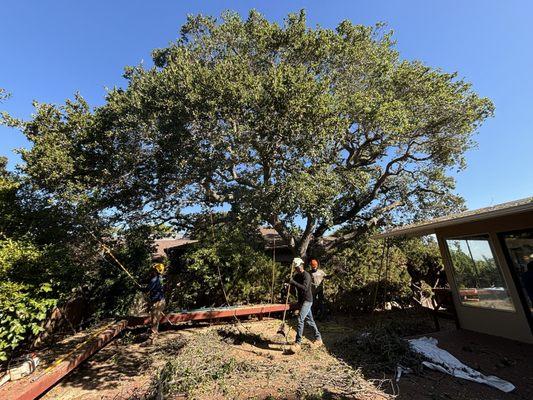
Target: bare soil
124	370
259	369
506	359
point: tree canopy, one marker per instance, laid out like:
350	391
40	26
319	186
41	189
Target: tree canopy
310	130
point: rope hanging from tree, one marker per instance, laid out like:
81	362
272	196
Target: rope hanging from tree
384	254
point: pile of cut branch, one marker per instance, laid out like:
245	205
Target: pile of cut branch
219	363
379	350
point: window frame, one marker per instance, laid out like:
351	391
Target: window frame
514	275
497	262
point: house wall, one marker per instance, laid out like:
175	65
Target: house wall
509	324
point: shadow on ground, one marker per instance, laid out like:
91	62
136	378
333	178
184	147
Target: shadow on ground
108	367
238	337
377	358
123	359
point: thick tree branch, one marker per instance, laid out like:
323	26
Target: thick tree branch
306	237
376	220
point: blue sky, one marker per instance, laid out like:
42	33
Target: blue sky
51	49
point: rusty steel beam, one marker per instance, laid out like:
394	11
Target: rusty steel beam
34	385
213	313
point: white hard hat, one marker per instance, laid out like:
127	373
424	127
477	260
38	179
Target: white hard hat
296	262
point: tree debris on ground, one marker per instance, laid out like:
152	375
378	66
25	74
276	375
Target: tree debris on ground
380	350
237	361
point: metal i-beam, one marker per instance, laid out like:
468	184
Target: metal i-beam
34	385
213	314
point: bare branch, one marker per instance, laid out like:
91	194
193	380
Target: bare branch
377	219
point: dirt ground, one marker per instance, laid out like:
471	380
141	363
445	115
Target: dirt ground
124	369
506	359
247	361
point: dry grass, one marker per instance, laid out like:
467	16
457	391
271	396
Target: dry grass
247	361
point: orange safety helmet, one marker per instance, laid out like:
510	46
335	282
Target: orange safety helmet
314	263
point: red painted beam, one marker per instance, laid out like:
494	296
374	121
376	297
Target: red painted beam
36	384
39	382
213	313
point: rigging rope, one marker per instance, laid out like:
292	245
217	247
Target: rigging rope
237	320
375	294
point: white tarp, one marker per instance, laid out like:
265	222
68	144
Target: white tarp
440	360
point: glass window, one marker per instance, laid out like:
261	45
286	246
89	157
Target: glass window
477	274
520	249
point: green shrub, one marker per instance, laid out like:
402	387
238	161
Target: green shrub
365	275
23	306
245	269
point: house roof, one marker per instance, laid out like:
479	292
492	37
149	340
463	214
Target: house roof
167	243
272	238
429	227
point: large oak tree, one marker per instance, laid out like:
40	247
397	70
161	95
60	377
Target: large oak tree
310	130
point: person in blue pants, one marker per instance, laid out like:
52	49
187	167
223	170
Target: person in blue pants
303	282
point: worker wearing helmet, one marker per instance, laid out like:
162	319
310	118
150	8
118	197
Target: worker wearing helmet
156	298
318	276
302	281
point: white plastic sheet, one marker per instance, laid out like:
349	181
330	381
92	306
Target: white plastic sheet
440	360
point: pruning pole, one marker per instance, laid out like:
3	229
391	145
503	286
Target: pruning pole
110	253
273	272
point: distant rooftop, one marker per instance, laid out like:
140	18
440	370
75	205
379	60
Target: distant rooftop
429	227
166	243
272	238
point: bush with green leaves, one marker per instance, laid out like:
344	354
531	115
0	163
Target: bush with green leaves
37	266
365	275
245	269
112	291
23	306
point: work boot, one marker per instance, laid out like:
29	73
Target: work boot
295	348
318	343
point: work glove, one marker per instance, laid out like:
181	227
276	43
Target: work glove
286	285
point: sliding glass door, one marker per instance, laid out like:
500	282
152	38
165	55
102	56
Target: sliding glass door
518	246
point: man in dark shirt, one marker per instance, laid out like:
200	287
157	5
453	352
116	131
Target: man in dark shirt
302	281
156	298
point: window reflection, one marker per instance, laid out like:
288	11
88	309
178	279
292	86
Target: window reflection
520	248
477	274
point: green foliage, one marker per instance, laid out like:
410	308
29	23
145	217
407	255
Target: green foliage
279	124
285	122
365	275
381	349
8	190
37	261
245	270
423	258
201	362
26	291
23	306
115	292
423	262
